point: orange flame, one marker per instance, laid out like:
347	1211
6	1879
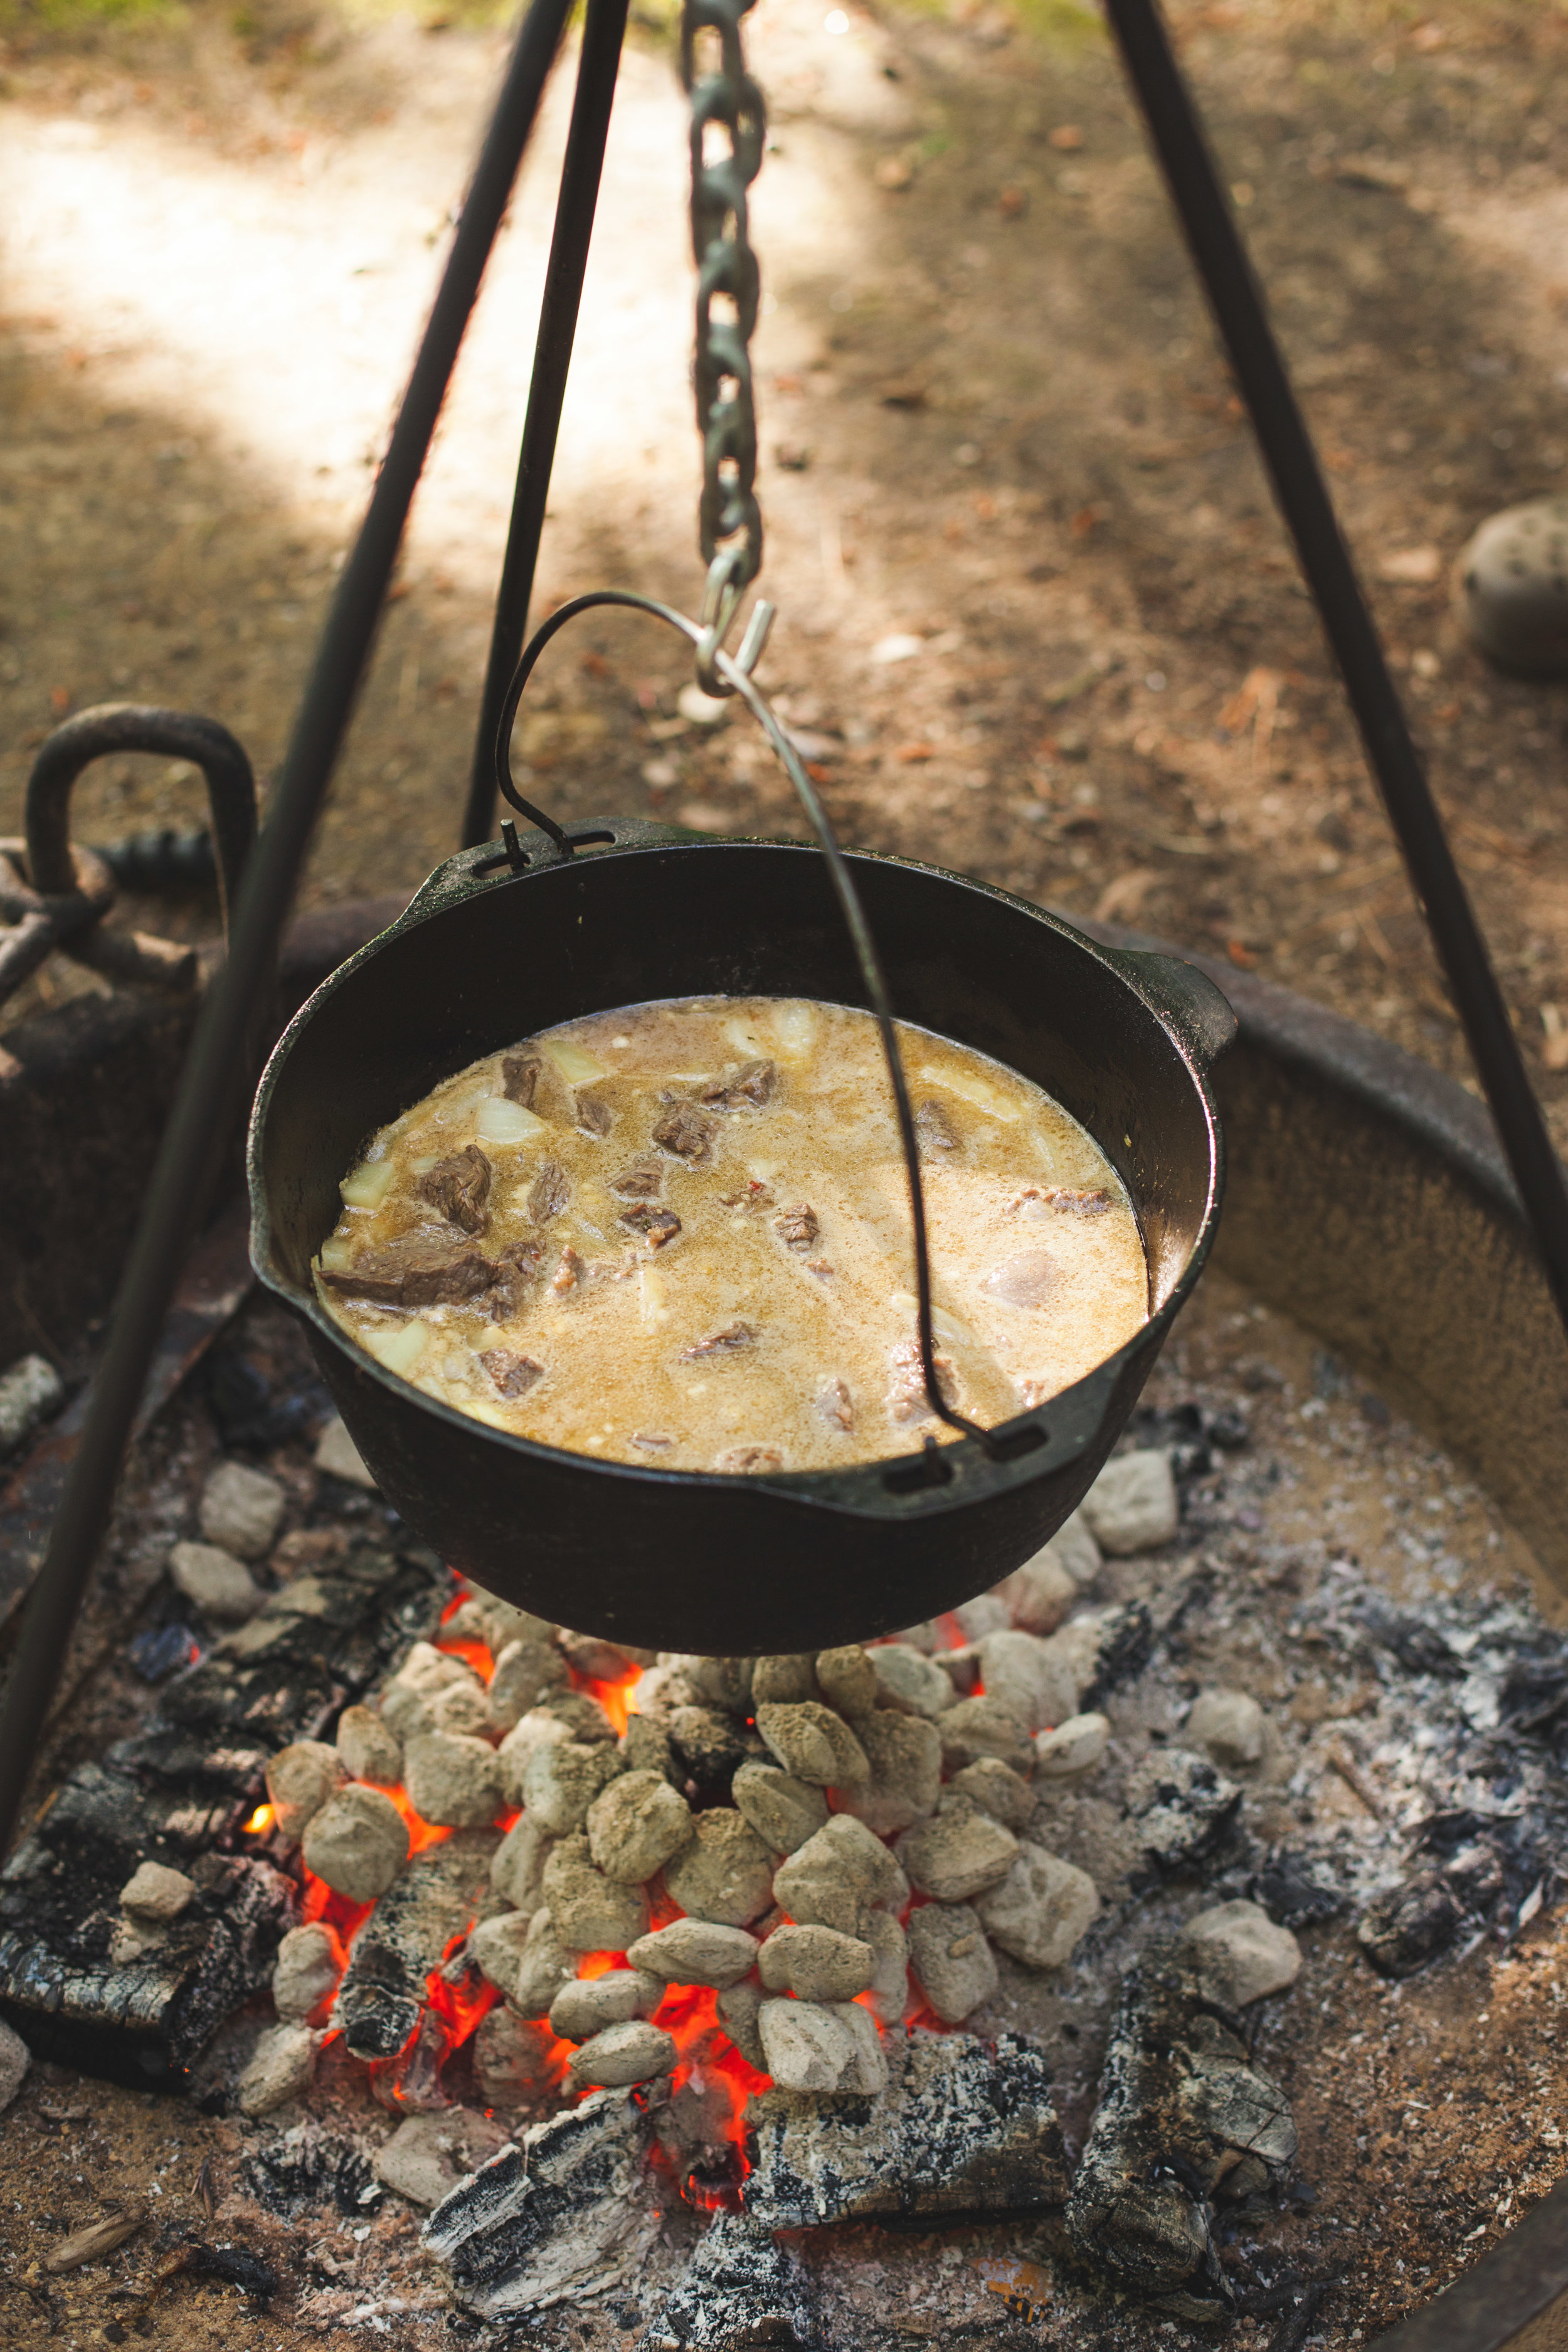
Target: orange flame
614	1697
261	1820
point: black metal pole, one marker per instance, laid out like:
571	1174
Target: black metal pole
214	1071
604	30
1237	304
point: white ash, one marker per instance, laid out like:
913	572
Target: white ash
984	1727
15	2060
561	1780
839	1876
995	1788
30	1389
241	1510
156	1893
516	2064
1133	1506
1074	1748
548	1962
1227	1725
740	2287
216	1582
1040	1911
904	1752
785	1680
516	1874
847	1681
987	1613
526	1671
1034	1679
497	1947
428	2154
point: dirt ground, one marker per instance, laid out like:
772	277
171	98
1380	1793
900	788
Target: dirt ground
993	419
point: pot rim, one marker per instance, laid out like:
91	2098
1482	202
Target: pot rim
940	1476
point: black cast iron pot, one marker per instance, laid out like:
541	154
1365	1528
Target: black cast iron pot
488	954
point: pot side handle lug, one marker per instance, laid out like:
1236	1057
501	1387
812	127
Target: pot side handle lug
1201	1015
475	869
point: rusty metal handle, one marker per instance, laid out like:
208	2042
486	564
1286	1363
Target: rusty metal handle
119	726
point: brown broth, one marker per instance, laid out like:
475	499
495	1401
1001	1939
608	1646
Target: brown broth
755	1336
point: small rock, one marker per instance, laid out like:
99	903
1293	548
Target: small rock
696	1952
499	1947
1074	1748
837	1877
637	1824
783	1810
299	1779
910	1680
590	1912
816	1963
525	1671
983	1727
561	1780
1132	1505
1241	1952
428	2154
708	1743
426	1672
905	1755
1038	1595
28	1391
280	2069
814	1744
310	1962
784	1681
737	2008
953	1963
220	1586
996	1789
725	1873
1040	1911
633	2053
587	2005
454	1782
1515	577
646	1746
1181	1806
516	2060
517	1867
847	1679
155	1893
807	2046
241	1510
1104	1647
889	1986
368	1747
340	1457
358	1842
958	1853
15	2060
1227	1725
1028	1675
545	1967
984	1614
462	1709
540	1727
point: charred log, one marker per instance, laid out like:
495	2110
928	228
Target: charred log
380	1999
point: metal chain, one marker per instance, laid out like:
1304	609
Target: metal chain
727	103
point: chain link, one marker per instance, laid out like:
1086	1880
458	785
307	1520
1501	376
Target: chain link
730	520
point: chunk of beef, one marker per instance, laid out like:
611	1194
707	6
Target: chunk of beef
640	1184
907	1399
753	1194
516	1272
594	1114
720	1343
657	1226
1030	1279
820	1268
1058	1200
459	1186
751	1457
687	1133
835	1404
747	1088
647	1440
549	1192
414	1277
798	1227
519	1078
934	1129
569	1273
513	1374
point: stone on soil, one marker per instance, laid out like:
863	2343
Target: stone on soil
524	1672
453	1783
816	1963
1029	1676
299	1779
241	1510
815	1744
15	2060
637	1824
546	1965
910	1680
516	1873
953	1963
498	1947
1227	1725
358	1842
280	2069
983	1727
1075	1746
369	1747
156	1893
725	1873
561	1780
592	1913
517	2059
1132	1505
695	1951
340	1457
847	1680
837	1877
996	1789
428	2154
1240	1953
784	1681
1515	578
1040	1910
905	1755
310	1963
783	1810
621	2054
959	1852
587	2005
218	1584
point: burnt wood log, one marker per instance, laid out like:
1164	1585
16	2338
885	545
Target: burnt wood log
740	2288
405	1940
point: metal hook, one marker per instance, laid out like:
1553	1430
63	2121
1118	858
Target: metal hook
721	596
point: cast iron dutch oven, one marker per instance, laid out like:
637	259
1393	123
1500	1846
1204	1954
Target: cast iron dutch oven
490	952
